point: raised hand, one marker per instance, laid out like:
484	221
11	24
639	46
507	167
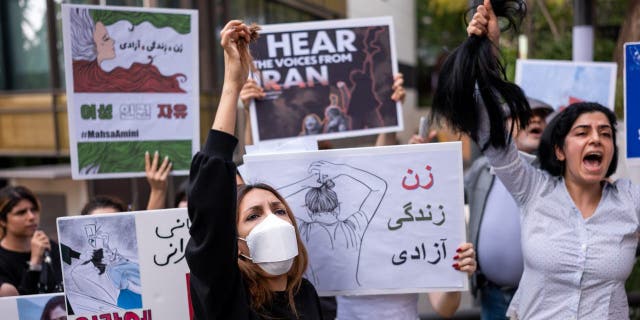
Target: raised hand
157	179
485	23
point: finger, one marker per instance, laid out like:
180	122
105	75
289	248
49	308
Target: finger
488	6
432	135
479	19
165	174
482	10
154	163
163	166
469	253
147	161
231	24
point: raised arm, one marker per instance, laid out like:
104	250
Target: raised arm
212	250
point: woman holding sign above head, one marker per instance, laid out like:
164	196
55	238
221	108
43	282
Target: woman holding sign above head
579	229
245	253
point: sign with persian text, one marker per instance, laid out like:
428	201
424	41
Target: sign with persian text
132	87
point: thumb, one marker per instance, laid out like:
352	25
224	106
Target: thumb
489	7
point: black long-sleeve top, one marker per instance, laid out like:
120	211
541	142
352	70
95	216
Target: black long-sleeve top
14	270
218	290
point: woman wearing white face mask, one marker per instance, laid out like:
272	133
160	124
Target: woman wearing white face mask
245	253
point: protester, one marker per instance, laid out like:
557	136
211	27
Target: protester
29	260
232	275
494	221
579	229
103	204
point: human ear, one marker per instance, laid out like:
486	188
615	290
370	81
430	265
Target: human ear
559	153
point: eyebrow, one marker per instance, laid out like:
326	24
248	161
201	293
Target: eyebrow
585	126
275	203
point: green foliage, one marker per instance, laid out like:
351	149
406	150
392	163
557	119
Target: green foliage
181	23
128	156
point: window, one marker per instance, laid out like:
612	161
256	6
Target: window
25	50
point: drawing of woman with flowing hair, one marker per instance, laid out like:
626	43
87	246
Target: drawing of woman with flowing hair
335	222
91	44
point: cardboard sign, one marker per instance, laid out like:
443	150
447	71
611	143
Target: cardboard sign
128	265
329	79
132	86
374	220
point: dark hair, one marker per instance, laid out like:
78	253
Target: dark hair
57	301
181	193
260	293
103	202
322	198
558	129
473	63
11	195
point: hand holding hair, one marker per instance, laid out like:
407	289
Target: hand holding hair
476	63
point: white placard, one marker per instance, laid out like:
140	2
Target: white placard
561	83
374	220
132	86
126	263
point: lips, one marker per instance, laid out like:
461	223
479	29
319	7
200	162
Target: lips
534	130
593	161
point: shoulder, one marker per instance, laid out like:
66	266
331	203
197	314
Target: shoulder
478	166
305	285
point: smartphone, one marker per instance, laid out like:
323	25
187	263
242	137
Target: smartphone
423	129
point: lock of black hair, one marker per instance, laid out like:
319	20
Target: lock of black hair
476	61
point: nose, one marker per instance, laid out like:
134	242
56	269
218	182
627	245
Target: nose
31	213
595	137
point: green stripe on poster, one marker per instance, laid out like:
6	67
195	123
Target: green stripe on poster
128	156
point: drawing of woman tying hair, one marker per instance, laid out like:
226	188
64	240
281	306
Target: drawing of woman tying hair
333	220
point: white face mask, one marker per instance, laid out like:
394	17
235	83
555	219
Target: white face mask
273	245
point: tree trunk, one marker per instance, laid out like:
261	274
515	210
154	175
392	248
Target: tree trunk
629	32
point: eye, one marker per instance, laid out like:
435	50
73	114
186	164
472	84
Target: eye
252	216
280	211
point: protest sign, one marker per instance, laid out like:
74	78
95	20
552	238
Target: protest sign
127	265
330	79
374	220
132	86
33	307
632	101
561	83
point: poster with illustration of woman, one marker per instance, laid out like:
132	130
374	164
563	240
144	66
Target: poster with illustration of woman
331	78
132	87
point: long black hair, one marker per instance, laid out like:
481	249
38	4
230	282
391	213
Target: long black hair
558	129
473	63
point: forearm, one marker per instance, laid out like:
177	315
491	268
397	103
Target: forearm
248	138
157	199
225	119
445	303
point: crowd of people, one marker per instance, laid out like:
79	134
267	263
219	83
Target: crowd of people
553	195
